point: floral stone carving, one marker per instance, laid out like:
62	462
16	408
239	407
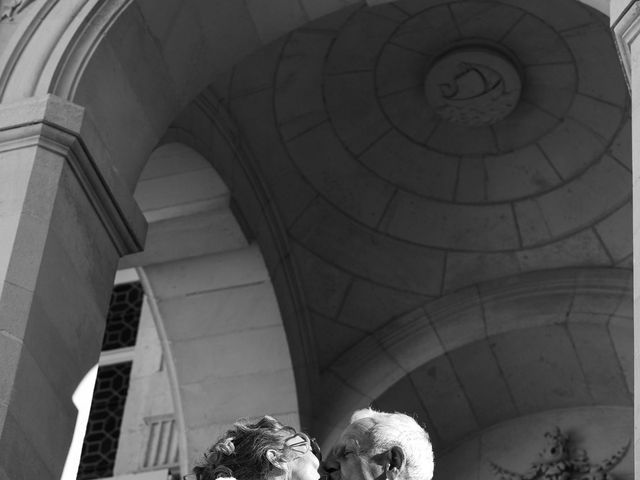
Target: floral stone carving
559	460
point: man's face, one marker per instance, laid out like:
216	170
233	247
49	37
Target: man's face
348	459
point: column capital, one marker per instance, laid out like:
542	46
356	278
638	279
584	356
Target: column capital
65	128
625	23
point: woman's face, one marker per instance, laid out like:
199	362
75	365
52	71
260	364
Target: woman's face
304	467
305	464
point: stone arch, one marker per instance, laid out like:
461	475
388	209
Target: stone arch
541	300
212	297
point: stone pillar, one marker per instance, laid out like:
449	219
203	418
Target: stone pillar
64	222
625	23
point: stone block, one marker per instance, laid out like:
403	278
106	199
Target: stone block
442	396
15	174
597	62
131	40
330	234
464	269
561	14
174	158
354	111
276	18
550	87
545	377
346	183
616	232
20	459
410	113
525	124
517	174
332	338
259	350
457	318
621	335
202	274
208	232
368	306
534	42
479	19
368	368
599	362
11	351
601	118
330	14
358	43
428	32
531	223
230	30
220	312
471	187
325	285
399	69
411	340
219	400
581	249
579	203
8	230
620	148
571	148
125	150
460	227
299	77
291	196
506	309
412	167
458	140
159	17
482	380
257	71
42	412
182	188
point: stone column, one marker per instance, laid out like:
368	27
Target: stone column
64	222
625	23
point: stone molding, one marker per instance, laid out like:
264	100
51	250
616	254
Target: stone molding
460	318
66	130
625	30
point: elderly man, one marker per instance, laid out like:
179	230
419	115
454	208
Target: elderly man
379	446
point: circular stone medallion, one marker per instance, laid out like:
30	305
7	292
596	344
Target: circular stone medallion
473	86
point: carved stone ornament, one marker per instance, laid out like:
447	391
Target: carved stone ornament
558	460
12	8
473	85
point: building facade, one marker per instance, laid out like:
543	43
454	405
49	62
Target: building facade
423	205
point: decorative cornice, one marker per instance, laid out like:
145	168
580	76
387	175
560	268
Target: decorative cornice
65	129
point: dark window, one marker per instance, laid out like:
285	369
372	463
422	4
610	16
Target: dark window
123	317
103	429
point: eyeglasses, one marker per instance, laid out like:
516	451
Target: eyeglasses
301	443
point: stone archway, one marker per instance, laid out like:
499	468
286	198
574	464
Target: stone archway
528	305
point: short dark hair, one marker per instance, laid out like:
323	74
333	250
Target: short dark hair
242	451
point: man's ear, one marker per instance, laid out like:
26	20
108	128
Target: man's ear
395	462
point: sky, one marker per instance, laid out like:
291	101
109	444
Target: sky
82	400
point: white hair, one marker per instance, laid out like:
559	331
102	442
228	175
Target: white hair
397	429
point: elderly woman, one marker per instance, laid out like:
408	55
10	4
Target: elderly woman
265	450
